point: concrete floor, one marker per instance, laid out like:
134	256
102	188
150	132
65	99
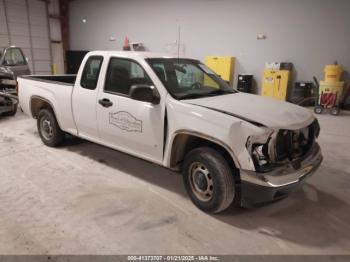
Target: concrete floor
87	199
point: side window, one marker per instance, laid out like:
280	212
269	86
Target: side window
122	74
13	57
91	72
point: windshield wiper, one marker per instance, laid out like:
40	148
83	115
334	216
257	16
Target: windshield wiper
211	93
189	96
220	92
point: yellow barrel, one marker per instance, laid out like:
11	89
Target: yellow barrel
333	73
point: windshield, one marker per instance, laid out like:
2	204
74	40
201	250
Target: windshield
186	78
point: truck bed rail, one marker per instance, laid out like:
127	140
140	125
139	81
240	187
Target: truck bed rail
64	79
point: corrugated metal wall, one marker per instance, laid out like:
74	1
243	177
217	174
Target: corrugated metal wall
24	23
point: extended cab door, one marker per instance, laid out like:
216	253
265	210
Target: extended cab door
84	98
129	125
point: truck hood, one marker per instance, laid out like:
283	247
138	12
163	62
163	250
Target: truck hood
258	110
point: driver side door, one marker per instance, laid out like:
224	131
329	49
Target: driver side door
129	125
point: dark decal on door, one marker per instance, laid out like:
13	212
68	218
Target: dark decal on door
125	121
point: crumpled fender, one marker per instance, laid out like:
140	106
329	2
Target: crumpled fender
226	130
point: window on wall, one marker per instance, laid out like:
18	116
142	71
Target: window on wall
91	72
14	56
123	74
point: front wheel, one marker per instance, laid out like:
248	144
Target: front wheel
208	180
48	128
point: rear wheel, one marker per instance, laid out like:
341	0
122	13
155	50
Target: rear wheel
208	180
48	128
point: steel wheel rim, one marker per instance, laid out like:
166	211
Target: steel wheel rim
46	128
201	181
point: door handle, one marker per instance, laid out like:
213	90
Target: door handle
105	102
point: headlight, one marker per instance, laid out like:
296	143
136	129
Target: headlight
258	147
260	154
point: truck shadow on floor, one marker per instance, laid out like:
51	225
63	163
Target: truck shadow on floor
134	166
308	217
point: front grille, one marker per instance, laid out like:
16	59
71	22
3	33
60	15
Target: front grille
294	144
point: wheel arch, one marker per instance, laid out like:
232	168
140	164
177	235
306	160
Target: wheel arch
38	103
186	140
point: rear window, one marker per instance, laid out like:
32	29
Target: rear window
91	72
13	57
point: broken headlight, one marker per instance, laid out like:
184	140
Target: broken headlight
260	154
258	147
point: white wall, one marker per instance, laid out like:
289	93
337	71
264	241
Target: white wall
309	33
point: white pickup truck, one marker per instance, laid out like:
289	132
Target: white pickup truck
177	113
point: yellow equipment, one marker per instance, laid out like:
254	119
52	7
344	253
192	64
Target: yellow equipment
335	89
330	91
223	66
275	84
333	73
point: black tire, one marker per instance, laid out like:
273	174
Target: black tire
318	109
13	112
220	177
48	128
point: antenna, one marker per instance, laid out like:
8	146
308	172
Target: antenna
178	41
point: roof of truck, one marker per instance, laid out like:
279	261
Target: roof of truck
134	54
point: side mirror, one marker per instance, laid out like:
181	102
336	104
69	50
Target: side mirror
144	93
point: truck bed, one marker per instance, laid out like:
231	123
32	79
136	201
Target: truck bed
56	89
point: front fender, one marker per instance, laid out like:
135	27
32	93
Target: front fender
225	130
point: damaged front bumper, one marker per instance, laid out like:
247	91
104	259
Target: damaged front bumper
8	102
258	188
5	109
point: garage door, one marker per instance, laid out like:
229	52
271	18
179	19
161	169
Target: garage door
24	23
